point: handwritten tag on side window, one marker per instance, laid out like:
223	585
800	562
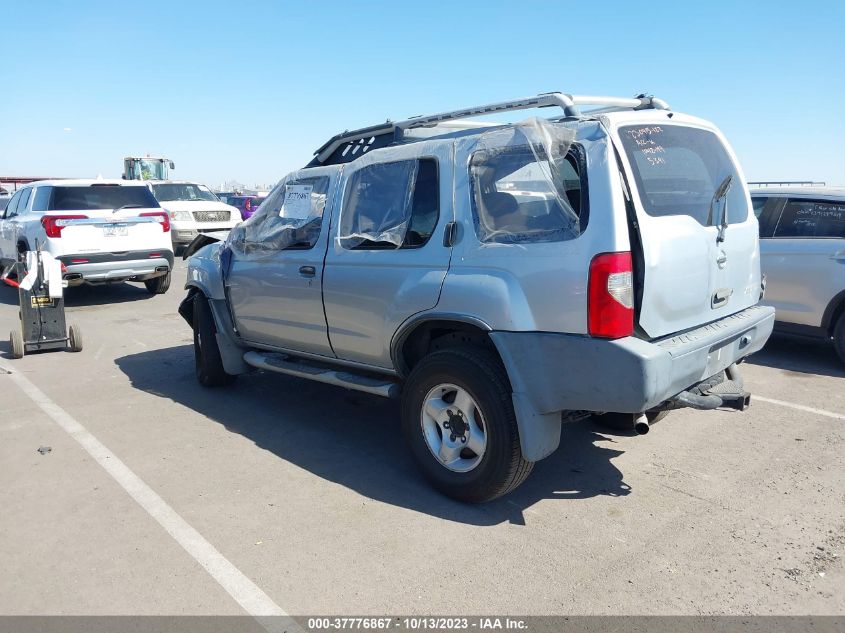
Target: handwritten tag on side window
297	202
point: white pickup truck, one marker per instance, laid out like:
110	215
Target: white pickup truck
193	210
101	231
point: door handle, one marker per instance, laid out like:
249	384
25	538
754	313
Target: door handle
307	271
839	256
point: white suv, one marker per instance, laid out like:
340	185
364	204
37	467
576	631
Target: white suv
101	230
802	250
193	209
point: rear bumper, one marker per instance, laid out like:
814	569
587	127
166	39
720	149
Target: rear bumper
560	372
105	267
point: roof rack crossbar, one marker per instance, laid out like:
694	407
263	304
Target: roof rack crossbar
568	103
780	183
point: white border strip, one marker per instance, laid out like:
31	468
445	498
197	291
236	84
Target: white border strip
799	407
246	593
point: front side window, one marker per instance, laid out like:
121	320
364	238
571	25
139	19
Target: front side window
12	207
101	197
291	217
679	169
519	195
812	219
172	192
391	205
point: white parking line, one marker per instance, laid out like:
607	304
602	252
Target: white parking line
252	599
800	407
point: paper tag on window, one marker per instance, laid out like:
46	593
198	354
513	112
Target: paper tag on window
297	202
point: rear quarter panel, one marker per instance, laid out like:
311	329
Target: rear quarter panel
535	286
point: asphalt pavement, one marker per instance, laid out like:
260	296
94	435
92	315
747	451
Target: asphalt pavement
282	493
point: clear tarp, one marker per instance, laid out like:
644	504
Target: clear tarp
378	204
290	217
526	186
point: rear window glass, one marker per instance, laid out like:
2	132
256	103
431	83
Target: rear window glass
678	169
812	218
173	192
101	197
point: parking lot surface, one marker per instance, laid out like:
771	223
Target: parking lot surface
309	497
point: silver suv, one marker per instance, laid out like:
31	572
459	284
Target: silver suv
500	279
802	245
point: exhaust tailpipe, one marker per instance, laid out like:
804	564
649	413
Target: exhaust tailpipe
641	425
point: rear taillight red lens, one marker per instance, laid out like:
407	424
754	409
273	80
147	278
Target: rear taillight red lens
610	296
163	219
53	224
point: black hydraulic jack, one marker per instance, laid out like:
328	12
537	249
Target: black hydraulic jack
43	325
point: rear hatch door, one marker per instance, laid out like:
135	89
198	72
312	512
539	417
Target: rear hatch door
700	253
108	219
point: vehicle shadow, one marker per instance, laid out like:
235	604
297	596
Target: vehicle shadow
801	355
8	295
88	295
355	440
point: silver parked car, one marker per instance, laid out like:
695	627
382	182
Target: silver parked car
802	246
500	279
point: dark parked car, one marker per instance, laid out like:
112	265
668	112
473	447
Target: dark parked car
246	204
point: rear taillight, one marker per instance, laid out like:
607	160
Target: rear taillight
610	302
53	224
163	219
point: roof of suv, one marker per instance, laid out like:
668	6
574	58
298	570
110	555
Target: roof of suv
84	182
344	147
826	192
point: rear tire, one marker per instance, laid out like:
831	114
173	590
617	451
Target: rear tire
158	285
209	365
75	338
839	337
495	466
16	341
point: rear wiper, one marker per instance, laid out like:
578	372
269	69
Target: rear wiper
129	206
720	193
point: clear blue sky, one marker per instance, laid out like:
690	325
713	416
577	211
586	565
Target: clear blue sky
248	90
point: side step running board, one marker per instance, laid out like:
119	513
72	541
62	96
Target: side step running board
284	365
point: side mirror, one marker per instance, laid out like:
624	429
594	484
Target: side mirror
172	166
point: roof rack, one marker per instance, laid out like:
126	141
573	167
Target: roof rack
376	136
781	183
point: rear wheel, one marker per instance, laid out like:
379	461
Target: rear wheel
209	365
16	341
458	418
158	285
839	337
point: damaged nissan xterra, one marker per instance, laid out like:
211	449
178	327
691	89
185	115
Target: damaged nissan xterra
501	279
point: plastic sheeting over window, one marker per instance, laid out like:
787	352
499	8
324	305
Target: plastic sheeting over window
378	204
290	217
525	187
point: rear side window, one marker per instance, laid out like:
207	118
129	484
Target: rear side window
520	196
678	170
812	219
24	201
42	199
391	205
101	197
